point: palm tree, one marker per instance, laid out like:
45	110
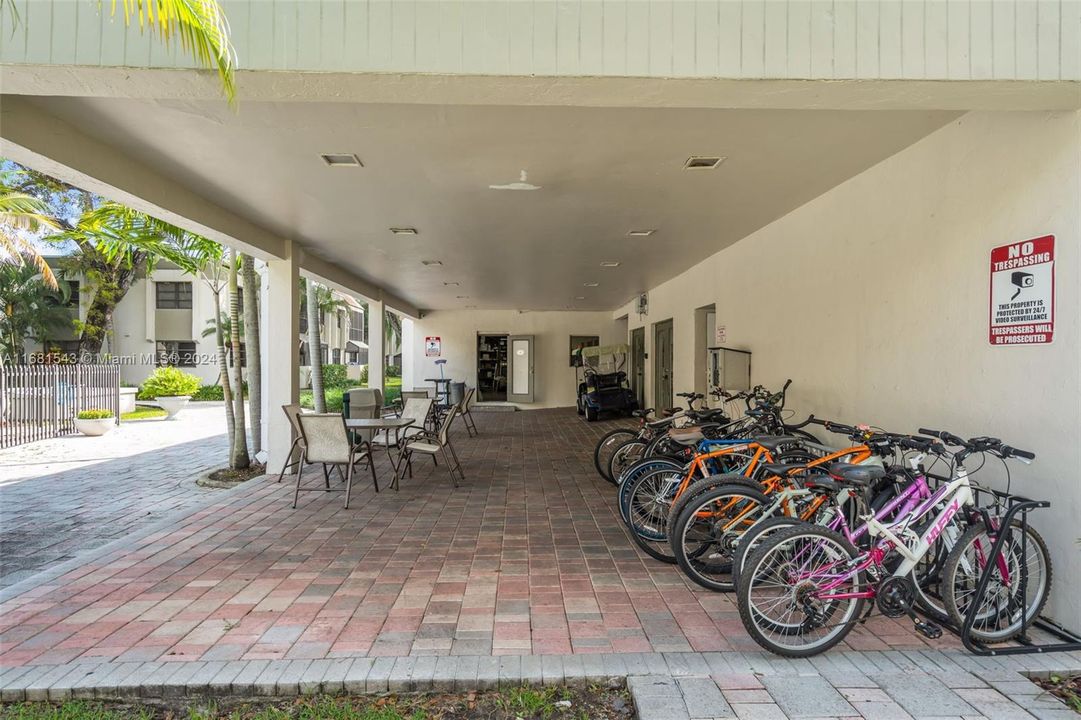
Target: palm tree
199	25
22	213
252	351
28	308
320	302
238	456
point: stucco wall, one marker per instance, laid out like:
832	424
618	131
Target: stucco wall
874	299
554	378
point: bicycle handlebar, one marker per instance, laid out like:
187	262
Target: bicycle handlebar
980	444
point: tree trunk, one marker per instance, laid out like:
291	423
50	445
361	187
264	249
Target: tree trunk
238	457
112	284
315	349
253	355
223	369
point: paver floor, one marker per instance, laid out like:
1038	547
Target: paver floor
64	496
527	557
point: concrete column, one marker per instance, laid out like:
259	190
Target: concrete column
281	358
408	375
376	333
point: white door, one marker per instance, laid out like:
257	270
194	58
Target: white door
520	371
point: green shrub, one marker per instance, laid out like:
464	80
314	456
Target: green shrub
364	376
169	382
393	371
333	397
209	392
334	376
94	414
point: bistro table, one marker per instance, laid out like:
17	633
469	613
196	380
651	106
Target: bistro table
397	424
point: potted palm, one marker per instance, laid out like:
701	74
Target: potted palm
95	421
171	388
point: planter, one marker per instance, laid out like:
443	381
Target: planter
127	399
95	427
173	404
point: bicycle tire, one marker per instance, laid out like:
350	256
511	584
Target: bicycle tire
643	466
754	537
692	536
623	457
952	582
646	517
601	458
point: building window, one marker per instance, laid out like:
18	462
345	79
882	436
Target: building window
337	356
325	353
174	295
356	325
177	353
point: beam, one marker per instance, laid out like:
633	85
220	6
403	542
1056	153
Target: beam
39	140
429	89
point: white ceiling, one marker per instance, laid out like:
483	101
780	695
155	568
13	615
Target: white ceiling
603	171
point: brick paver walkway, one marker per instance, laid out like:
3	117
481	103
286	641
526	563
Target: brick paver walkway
68	495
528	557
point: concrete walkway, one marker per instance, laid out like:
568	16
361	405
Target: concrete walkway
65	496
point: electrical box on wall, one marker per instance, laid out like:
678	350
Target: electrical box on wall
729	369
642	305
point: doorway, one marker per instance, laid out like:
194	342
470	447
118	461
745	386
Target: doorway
662	364
638	365
491	368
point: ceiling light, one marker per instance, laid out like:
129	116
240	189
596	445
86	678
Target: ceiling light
590	284
640	233
452	284
430	263
404	231
580	297
520	185
702	162
609	263
341	160
462	297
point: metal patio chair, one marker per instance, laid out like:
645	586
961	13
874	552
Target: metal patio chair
326	442
292	412
464	411
432	444
416	408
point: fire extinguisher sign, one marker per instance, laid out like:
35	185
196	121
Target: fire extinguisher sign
1023	292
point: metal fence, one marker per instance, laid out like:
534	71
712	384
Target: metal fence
41	401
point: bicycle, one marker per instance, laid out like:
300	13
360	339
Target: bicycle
804	589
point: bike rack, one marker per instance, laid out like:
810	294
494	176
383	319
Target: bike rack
1016	505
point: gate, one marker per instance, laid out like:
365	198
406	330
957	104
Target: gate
41	401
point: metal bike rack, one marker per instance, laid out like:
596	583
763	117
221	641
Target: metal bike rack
1016	505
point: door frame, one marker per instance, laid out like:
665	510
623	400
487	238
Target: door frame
526	397
659	402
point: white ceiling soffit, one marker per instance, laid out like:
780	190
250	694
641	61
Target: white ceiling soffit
601	172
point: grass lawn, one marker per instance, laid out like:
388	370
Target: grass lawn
391	392
144	412
550	703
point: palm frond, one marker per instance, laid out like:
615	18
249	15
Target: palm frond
199	25
20	212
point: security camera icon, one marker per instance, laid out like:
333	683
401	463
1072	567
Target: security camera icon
1022	280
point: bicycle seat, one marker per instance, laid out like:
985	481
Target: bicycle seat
773	442
686	435
641	413
662	422
669	412
857	474
821	481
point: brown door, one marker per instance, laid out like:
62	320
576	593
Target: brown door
662	364
638	364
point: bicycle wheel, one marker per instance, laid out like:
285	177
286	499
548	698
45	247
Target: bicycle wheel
623	457
635	471
607	445
753	539
705	534
650	497
779	598
1003	612
701	485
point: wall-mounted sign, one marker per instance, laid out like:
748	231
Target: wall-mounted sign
720	335
1023	292
433	346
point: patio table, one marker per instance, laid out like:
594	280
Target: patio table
397	424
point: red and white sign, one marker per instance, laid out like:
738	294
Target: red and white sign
1023	292
433	346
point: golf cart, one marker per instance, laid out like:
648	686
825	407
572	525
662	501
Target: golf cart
602	384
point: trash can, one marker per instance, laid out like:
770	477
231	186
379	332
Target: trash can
457	392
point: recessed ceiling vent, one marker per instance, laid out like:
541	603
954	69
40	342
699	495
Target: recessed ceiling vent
342	160
702	162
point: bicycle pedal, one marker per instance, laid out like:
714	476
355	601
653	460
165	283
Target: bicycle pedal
928	630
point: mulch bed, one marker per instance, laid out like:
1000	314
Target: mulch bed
228	476
1067	689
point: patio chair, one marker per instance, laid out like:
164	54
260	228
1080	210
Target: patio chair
415	408
326	441
467	416
292	412
432	444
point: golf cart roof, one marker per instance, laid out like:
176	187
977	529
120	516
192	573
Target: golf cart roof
599	350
